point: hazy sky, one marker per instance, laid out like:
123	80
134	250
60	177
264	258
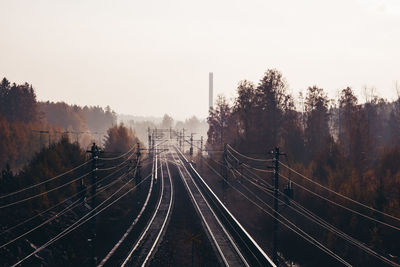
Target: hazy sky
153	57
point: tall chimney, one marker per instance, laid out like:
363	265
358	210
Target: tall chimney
210	90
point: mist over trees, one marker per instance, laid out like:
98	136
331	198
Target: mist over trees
31	163
22	118
140	125
120	139
350	147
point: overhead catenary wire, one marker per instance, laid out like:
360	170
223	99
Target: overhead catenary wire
247	157
46	181
82	220
120	156
237	161
116	166
341	195
60	203
339	205
68	208
134	222
296	229
63	211
342	206
333	202
316	219
46	192
308	214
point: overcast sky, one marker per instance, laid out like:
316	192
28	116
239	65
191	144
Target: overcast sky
153	57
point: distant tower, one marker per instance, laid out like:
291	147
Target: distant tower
210	90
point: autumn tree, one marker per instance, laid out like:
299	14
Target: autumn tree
218	121
120	139
244	106
271	99
18	102
316	123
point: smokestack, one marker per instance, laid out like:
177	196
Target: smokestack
210	90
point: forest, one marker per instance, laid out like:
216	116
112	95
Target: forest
31	169
350	147
27	125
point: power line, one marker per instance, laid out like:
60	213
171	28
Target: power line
46	181
68	208
342	206
343	196
80	222
311	216
43	193
304	234
125	235
249	158
60	203
61	186
116	166
120	156
244	164
299	231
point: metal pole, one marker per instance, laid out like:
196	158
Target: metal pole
224	174
276	212
94	151
201	153
138	175
183	141
191	147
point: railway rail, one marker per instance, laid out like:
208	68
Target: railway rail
233	244
144	248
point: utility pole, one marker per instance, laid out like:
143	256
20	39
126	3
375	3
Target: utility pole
180	140
191	147
224	174
201	153
183	141
152	143
276	211
94	151
138	177
149	142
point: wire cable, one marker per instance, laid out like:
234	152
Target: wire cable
318	220
120	156
247	157
46	181
81	221
68	208
116	166
43	193
342	206
134	222
61	186
341	195
60	203
298	231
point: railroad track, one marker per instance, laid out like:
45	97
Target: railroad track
118	248
232	243
145	247
227	250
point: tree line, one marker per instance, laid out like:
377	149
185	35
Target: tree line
351	147
22	118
